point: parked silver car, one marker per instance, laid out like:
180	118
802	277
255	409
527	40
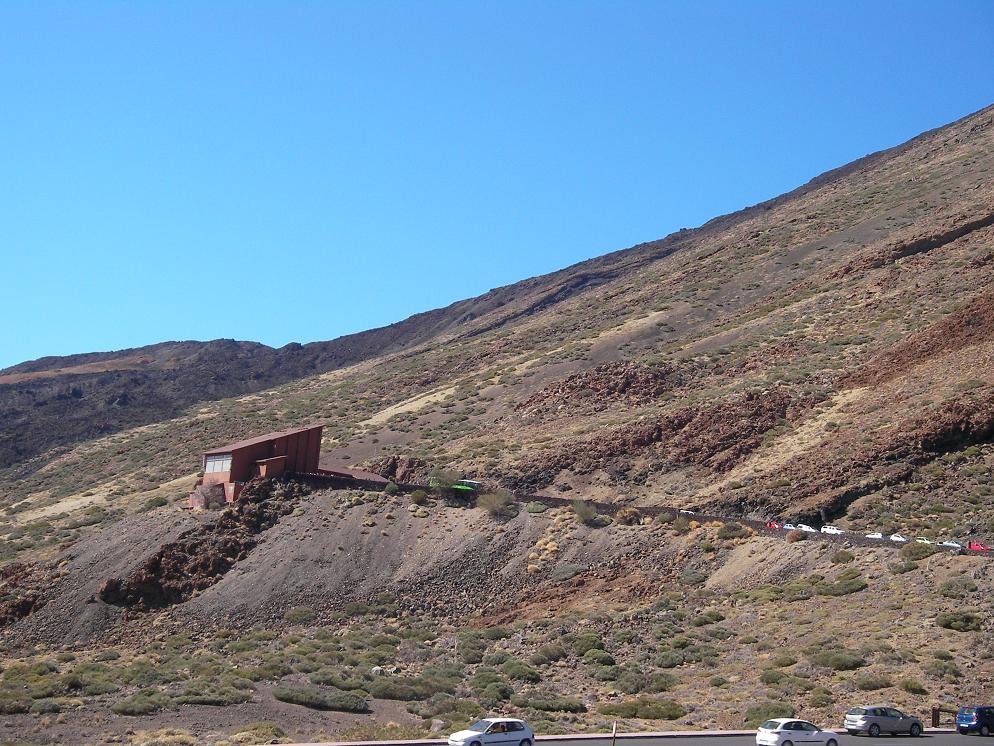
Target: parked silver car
880	719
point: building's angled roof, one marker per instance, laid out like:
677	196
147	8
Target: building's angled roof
259	439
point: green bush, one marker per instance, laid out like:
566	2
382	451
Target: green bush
942	669
708	617
692	576
913	551
13	704
391	489
960	621
821	697
548	702
494	694
849	581
214	693
154	502
842	557
958	586
599	657
913	686
142	703
783	660
418	497
548	654
521	671
763	711
583	642
660	682
645	709
499	504
90	679
45	706
402	689
321	699
588	515
771	676
536	507
733	531
870	683
300	615
839	660
669	659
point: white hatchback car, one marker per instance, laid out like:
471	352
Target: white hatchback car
834	530
793	732
898	538
875	535
806	528
494	732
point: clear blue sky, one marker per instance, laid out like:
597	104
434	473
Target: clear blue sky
294	171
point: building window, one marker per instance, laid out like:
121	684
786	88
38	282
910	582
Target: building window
214	464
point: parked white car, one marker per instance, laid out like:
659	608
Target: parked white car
950	544
831	530
789	527
923	540
898	538
494	732
792	732
807	528
875	535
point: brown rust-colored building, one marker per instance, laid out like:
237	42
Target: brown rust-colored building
287	452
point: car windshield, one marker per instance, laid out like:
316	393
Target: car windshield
480	726
769	725
857	711
968	711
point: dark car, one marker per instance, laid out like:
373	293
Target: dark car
975	720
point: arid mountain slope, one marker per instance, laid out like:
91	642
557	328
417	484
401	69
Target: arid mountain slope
818	349
57	401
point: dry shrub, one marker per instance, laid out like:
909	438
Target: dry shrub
797	535
499	504
164	737
628	516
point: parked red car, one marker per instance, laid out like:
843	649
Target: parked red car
976	546
773	525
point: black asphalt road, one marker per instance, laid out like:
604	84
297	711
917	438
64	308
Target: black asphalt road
683	739
928	739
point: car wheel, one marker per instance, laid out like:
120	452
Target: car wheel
916	730
963	731
475	743
985	730
874	730
526	742
832	742
787	743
